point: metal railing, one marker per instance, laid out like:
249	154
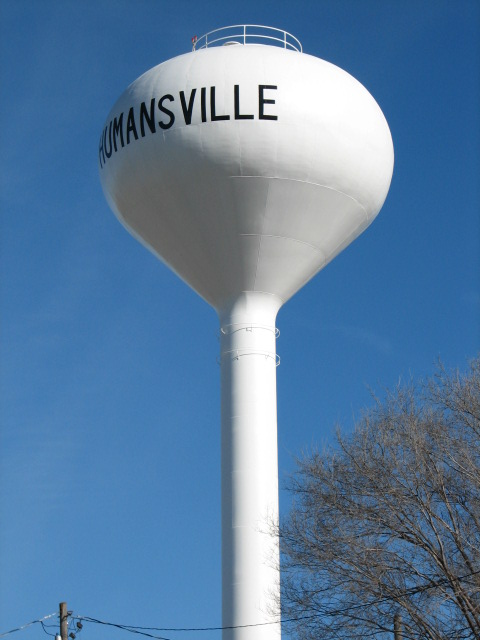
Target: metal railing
247	34
228	329
236	354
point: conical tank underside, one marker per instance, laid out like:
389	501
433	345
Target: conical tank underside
246	168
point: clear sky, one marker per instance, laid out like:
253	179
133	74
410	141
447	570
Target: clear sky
110	446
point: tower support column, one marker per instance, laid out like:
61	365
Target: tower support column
250	550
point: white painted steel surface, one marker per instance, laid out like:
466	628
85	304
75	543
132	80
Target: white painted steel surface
250	555
248	204
246	169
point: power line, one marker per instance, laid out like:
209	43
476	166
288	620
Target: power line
45	627
28	624
131	629
137	629
407	592
140	630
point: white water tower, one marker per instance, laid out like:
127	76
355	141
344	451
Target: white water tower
246	168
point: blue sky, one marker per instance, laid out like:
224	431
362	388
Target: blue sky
110	448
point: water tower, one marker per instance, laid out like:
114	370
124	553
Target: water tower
246	166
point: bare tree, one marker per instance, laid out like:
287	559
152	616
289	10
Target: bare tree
386	525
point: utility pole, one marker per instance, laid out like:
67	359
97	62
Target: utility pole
397	627
63	621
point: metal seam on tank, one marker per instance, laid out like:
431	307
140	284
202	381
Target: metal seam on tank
333	254
188	72
345	240
311	276
324	263
258	255
367	217
272	235
261	238
315	184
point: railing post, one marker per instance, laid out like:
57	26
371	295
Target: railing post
259	36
